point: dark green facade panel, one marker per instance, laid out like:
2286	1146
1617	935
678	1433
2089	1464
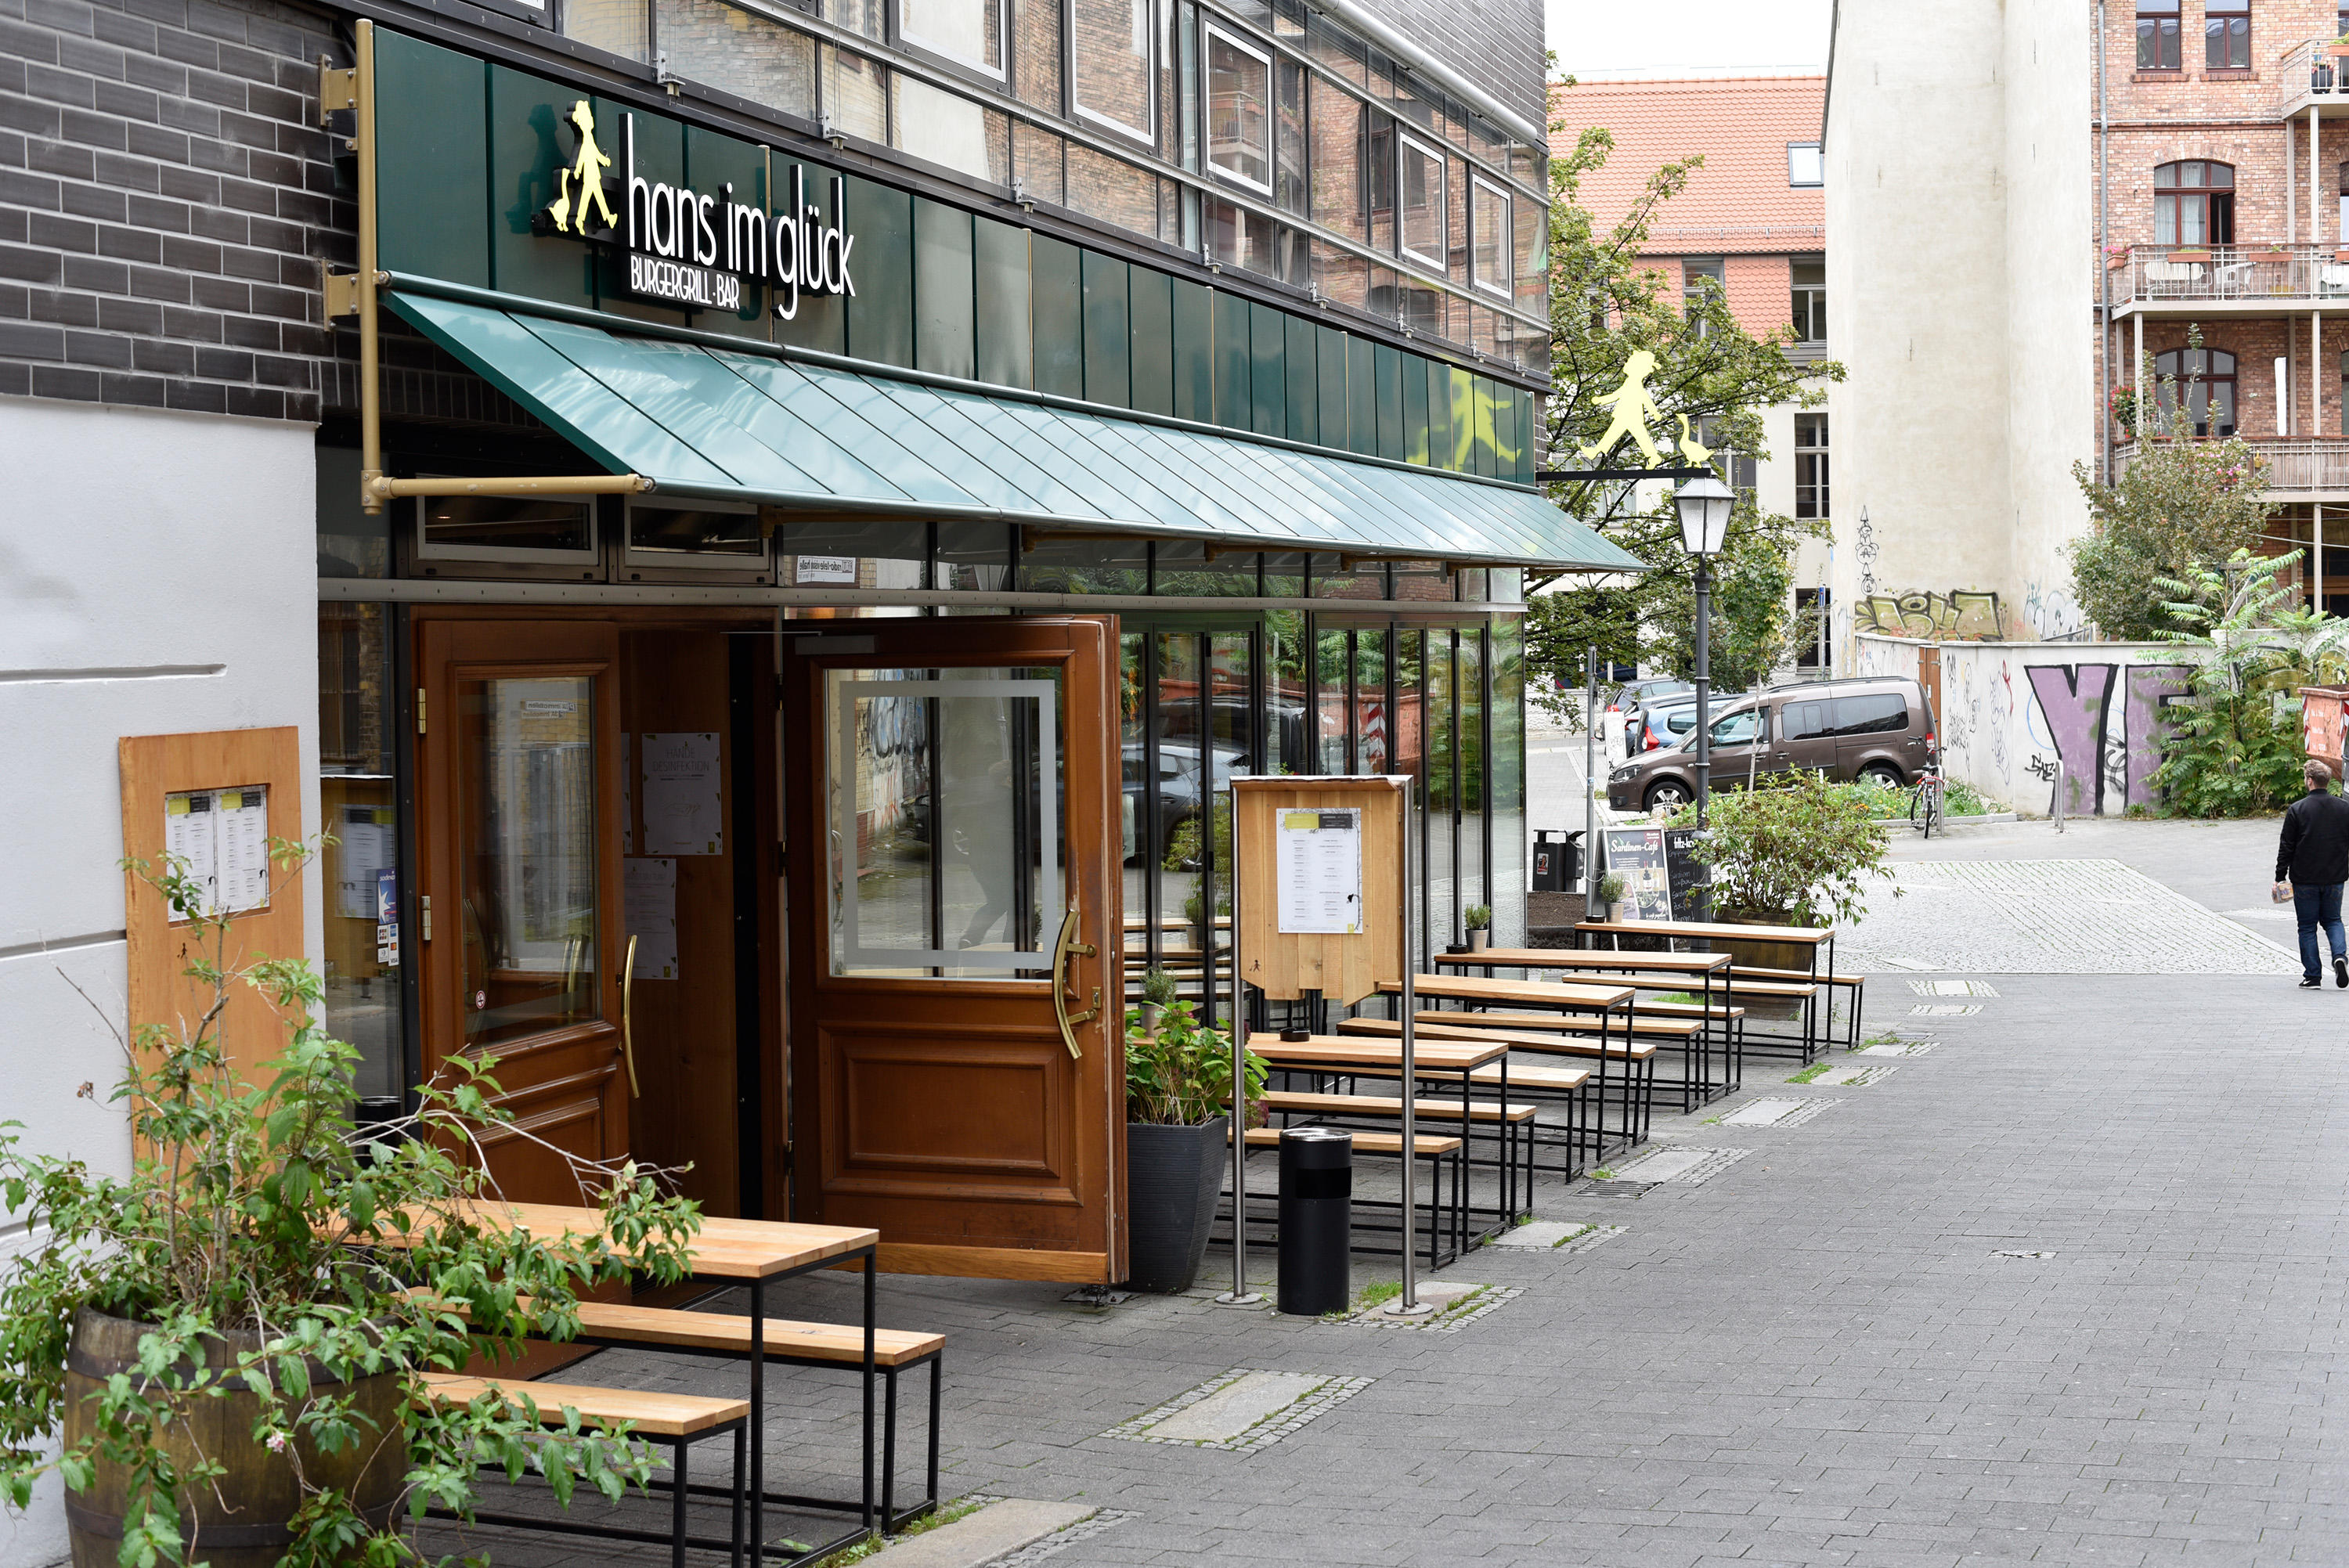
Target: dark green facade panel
432	177
712	163
1267	374
1389	364
525	149
1528	446
1415	409
945	336
1488	444
1234	402
1362	396
1153	340
1463	421
1109	348
1058	307
1193	313
820	322
1003	323
660	159
880	326
1304	395
1329	373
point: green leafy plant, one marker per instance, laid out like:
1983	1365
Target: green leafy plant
1477	917
1182	1076
1158	987
251	1243
1611	887
1795	850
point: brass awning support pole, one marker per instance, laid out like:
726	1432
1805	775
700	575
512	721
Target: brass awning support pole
349	294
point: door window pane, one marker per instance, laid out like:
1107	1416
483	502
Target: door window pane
1370	700
1239	110
1421	198
1332	655
1508	784
1289	152
1288	722
526	825
1410	710
1469	683
1443	795
969	32
1232	742
358	794
1112	49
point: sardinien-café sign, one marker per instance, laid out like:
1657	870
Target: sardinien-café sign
695	248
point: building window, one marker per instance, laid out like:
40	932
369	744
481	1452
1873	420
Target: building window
2204	377
1810	632
2226	35
1114	60
1239	110
1806	164
1493	238
1811	304
1422	201
1699	274
1741	469
2194	203
967	31
1811	464
2156	36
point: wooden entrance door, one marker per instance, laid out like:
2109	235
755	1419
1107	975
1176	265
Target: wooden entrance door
518	806
958	1071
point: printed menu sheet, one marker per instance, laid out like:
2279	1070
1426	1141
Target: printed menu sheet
649	908
222	836
1320	872
680	801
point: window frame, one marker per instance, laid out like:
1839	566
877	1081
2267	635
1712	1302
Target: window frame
1813	467
2187	380
1816	151
421	547
1153	30
2173	17
2237	21
1406	139
1211	29
1504	244
1813	298
652	557
913	42
2203	194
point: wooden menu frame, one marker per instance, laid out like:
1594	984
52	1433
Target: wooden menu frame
158	951
1344	968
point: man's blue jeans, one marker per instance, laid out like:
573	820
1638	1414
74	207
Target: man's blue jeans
2317	906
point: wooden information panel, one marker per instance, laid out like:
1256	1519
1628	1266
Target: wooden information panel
162	777
1344	967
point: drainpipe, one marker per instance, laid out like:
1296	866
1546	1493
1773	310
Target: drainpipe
2103	262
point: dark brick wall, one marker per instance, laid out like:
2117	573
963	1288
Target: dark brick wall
1497	44
165	202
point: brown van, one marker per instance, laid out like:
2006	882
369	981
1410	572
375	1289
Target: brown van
1875	727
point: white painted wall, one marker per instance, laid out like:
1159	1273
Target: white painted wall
158	574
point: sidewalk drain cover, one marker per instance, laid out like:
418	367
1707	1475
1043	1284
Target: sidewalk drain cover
1851	1075
1953	987
1776	1113
1944	1010
1899	1048
1457	1303
1687	1166
1241	1411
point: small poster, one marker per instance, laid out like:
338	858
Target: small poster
812	569
367	848
387	918
1319	873
1637	855
650	906
680	800
222	836
1686	875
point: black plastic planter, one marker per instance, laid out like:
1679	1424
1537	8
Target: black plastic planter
1173	1176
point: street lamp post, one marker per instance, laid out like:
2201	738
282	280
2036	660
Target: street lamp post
1704	506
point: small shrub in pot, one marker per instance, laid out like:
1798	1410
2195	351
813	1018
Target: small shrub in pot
1178	1084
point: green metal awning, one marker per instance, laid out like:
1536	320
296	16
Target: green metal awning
701	419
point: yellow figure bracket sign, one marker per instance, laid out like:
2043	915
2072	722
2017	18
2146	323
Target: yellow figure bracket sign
580	186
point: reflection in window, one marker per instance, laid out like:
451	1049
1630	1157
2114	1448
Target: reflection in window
1239	110
967	31
731	49
1113	190
1493	238
1288	723
1339	196
358	795
1333	668
519	527
1112	49
2226	35
1289	152
950	131
1806	164
1249	241
1420	196
856	94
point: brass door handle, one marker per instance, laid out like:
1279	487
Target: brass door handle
1062	949
628	1018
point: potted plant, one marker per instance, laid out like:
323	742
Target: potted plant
1478	918
1157	996
1793	851
1611	896
225	1356
1178	1084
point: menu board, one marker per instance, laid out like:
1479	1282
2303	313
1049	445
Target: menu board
1319	873
1685	872
220	837
1660	872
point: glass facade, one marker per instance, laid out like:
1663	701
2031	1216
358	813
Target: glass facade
359	795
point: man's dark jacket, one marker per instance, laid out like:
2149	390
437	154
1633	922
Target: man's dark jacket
2316	848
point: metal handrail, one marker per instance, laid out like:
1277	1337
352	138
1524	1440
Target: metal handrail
2283	273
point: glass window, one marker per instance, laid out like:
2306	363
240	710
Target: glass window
351	543
950	131
1421	580
358	797
1370	700
1442	791
1871	713
1811	465
876	552
738	51
1239	110
1509	785
1408	756
974	557
1379	177
2194	203
1049	564
1340	195
1423	230
1113	50
1237	237
1493	238
1332	667
2204	377
1113	190
1805	163
1036	53
2156	36
710	535
856	95
1811	720
1290	153
1469	687
2226	35
1288	722
1810	300
1335	578
1699	274
506	528
1738	728
615	26
967	31
1283	574
1188	568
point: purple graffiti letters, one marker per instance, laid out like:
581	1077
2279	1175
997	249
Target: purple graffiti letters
2077	700
2151	689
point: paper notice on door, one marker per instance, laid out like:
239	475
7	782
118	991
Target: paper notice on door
1320	872
650	911
680	800
366	833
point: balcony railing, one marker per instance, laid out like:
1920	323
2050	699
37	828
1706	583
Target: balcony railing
2309	74
2298	466
2284	275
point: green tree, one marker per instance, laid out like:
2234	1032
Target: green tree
2180	508
1605	305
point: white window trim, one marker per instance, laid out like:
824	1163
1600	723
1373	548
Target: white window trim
939	51
634	554
1211	29
1794	184
1506	288
427	550
1403	139
1147	137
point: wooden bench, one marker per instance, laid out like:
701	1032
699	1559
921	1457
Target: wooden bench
1819	940
1509	1121
679	1421
1855	983
1630	1063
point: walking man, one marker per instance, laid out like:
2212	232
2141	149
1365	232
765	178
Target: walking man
2314	860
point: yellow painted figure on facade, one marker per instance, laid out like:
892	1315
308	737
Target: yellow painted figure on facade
1633	409
580	186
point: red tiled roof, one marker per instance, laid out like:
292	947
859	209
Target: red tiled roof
1740	200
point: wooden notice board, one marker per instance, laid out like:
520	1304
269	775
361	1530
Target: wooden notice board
1343	968
161	774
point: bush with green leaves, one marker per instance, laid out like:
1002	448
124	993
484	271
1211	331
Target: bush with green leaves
1796	850
1180	1076
261	1210
2181	507
1477	917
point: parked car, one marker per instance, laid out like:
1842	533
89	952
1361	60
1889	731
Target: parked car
1874	727
1630	699
1666	722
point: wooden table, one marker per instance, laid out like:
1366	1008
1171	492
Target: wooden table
1818	939
1700	971
747	1252
1602	999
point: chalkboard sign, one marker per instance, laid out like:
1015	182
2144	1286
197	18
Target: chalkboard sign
1685	872
1660	870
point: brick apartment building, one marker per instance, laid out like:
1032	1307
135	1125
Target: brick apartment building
1752	222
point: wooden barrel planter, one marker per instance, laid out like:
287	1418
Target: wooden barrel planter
1761	954
240	1520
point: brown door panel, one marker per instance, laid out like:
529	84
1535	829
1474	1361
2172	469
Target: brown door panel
971	1105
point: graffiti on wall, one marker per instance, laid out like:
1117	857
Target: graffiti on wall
2052	613
1961	614
2077	746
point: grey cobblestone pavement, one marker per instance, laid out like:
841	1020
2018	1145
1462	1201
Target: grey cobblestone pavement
1845	1348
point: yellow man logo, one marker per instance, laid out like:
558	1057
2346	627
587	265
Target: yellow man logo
580	186
1633	409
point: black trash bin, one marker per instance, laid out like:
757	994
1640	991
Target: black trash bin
1558	860
1317	1219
